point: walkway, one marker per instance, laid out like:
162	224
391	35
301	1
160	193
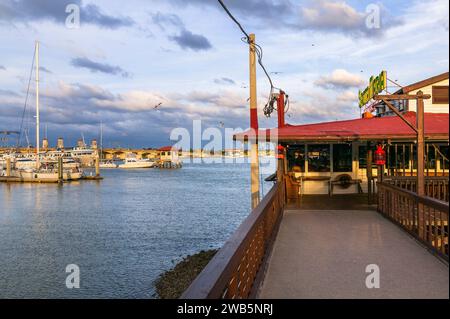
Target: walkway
324	254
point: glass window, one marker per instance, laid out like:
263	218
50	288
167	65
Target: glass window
431	157
342	158
444	161
319	158
398	156
362	157
296	158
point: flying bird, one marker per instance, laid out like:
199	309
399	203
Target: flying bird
276	73
157	105
221	124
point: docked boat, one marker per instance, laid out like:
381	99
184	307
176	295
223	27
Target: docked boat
108	164
68	161
133	162
38	168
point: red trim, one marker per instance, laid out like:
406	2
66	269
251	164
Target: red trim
280	109
254	119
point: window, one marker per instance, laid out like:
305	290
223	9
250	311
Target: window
440	94
319	158
444	161
296	158
342	158
362	157
398	156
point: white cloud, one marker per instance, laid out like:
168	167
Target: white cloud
340	79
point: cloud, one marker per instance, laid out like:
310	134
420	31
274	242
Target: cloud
40	10
317	15
224	81
8	93
331	15
248	8
2	68
45	70
188	40
185	38
163	20
99	67
340	79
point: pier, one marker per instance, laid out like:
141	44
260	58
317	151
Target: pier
284	251
387	214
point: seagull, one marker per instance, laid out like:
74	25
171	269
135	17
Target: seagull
221	124
157	105
276	73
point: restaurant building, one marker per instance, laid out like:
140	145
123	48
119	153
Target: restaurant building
332	157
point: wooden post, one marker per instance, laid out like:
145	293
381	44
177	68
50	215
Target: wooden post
254	125
97	166
8	167
369	172
60	170
420	145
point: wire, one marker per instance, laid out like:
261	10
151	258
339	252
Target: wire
26	100
268	109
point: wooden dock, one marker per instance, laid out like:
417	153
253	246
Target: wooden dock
13	179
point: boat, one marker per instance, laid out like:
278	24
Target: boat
68	160
132	162
38	168
108	164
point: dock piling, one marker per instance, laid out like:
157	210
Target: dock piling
60	170
8	167
97	166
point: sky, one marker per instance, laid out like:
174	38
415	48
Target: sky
187	56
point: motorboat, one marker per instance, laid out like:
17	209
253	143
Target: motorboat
133	162
108	164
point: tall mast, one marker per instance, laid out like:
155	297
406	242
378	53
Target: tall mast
37	107
101	139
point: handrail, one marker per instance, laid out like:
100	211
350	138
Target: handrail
436	187
424	217
231	273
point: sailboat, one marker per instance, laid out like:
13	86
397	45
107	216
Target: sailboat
42	172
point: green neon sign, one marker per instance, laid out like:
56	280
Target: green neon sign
376	86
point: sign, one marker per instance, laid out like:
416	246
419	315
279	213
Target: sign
376	86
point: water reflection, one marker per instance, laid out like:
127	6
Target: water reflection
122	232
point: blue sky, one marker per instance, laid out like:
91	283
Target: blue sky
128	56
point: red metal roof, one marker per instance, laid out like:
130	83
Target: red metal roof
388	127
167	149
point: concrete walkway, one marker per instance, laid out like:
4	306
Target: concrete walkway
324	254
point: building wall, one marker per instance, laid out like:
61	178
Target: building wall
429	106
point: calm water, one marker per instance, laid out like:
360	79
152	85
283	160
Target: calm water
122	232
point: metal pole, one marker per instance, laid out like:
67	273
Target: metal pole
420	145
254	125
37	107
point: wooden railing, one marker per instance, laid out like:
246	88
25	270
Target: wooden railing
435	187
236	270
424	217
